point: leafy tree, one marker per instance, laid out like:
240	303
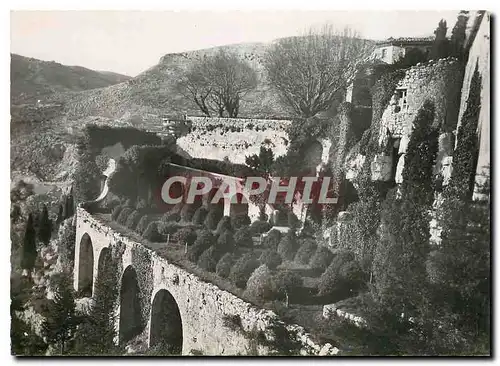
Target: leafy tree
239	220
263	162
341	279
29	253
123	216
45	227
310	71
61	323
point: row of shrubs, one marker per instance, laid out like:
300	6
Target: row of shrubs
212	247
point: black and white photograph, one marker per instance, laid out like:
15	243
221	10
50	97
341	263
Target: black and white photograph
250	183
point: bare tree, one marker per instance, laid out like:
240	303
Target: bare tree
194	85
218	83
308	72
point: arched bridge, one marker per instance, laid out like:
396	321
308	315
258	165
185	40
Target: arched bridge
164	302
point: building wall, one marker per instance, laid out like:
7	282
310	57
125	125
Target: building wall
437	81
202	305
479	55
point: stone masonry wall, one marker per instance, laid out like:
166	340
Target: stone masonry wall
234	138
438	81
202	305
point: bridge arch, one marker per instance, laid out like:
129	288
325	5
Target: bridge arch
130	324
86	266
166	331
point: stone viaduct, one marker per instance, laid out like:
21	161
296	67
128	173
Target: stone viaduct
166	302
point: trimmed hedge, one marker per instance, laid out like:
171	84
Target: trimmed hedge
152	233
270	258
142	225
258	227
188	211
285	282
239	221
185	235
133	220
225	242
123	216
243	237
213	217
259	285
288	246
224	265
224	225
168	228
307	249
116	212
272	240
209	258
171	217
243	269
321	259
204	241
341	280
200	215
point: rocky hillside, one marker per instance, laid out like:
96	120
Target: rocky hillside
33	79
153	91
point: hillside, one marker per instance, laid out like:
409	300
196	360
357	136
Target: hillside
32	79
153	90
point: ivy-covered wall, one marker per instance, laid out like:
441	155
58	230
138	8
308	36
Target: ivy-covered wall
203	306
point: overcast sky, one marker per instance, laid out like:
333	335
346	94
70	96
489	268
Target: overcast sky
129	42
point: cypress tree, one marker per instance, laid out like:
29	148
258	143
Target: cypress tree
70	204
440	47
60	215
29	253
45	226
60	324
457	39
97	332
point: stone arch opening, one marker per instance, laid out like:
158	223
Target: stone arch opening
104	262
130	306
86	266
166	324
